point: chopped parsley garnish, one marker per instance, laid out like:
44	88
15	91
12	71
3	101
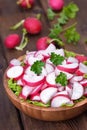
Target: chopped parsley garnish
56	59
37	67
62	79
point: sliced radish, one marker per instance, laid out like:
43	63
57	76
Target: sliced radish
59	52
29	72
50	49
26	91
37	89
81	58
19	82
50	79
15	72
15	62
69	90
76	79
70	68
85	91
31	60
77	91
60	100
44	72
33	80
72	60
57	72
60	88
83	68
35	97
49	68
47	94
84	83
64	92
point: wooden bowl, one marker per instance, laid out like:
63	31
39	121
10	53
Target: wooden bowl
42	113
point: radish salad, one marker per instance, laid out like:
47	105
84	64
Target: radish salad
49	78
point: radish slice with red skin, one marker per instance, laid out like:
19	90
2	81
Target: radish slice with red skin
29	72
69	75
35	97
69	90
84	83
33	80
79	73
59	100
77	91
59	52
47	94
85	92
26	91
15	62
70	68
72	60
15	72
49	68
50	49
76	79
31	60
64	92
50	79
19	82
37	89
60	88
81	58
83	68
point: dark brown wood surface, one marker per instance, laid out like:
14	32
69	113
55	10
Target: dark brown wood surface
10	117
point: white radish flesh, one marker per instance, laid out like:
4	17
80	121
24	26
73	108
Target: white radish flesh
77	91
15	72
47	94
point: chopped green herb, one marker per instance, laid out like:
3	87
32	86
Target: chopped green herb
72	36
56	59
62	79
14	87
50	14
37	67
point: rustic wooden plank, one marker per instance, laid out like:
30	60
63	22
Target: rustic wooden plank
10	17
8	114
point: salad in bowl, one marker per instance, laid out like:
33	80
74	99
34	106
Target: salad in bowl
51	81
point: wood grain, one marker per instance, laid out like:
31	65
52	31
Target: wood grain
10	14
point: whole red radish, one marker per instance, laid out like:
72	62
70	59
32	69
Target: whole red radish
12	41
56	5
26	3
32	25
42	43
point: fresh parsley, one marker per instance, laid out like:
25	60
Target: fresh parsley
62	79
72	36
56	59
37	67
50	14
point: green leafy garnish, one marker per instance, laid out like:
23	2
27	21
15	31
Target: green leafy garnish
62	79
72	36
14	87
39	103
50	14
56	59
37	67
80	99
68	12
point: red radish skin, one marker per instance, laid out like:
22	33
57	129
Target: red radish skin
81	58
77	91
42	43
56	5
70	68
15	72
33	80
59	100
47	94
32	25
26	3
12	40
26	91
35	97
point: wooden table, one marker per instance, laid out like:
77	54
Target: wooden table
10	117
